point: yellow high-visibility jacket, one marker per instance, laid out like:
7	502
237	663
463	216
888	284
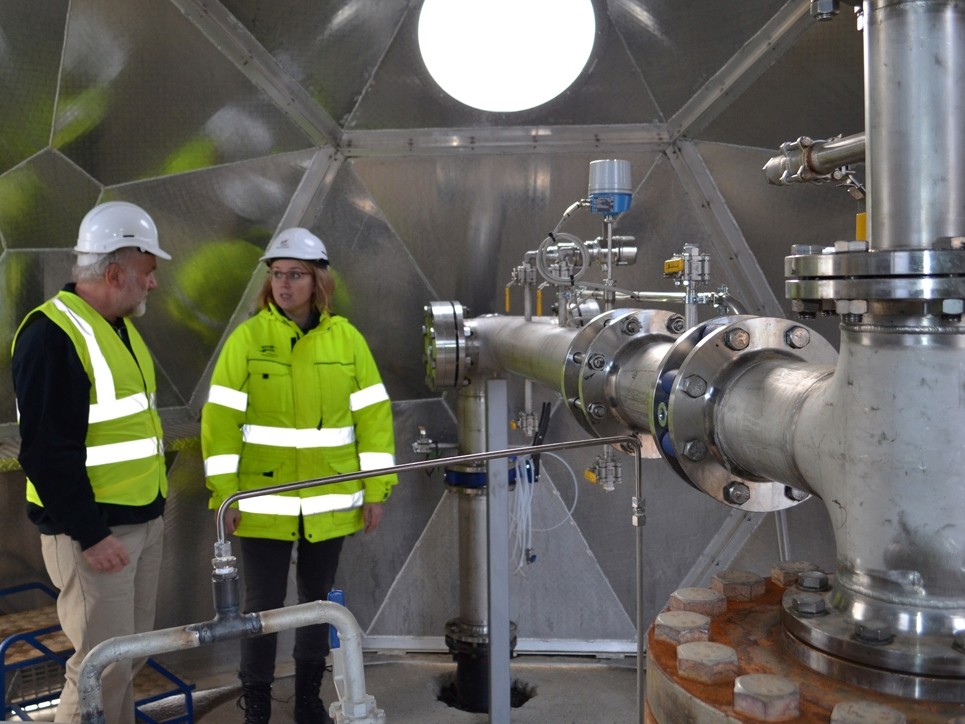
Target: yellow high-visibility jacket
287	406
125	448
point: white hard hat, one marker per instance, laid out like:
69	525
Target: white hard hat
115	225
296	243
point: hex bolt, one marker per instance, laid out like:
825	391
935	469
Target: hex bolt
681	627
794	494
797	337
738	585
631	325
706	662
786	574
767	697
959	641
813	581
694	385
737	338
578	357
874	632
953	307
596	411
695	450
809	604
597	362
698	600
861	712
676	324
737	493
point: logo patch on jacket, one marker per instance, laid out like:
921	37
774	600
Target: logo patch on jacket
268	349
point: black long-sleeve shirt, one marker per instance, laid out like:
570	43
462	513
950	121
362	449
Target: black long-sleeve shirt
53	397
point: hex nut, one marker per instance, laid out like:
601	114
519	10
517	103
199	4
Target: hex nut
807	605
797	337
737	339
862	712
874	632
695	450
698	600
631	326
767	697
681	627
786	574
813	581
694	385
706	662
737	493
596	362
738	585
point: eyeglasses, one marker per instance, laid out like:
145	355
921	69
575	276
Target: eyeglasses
292	276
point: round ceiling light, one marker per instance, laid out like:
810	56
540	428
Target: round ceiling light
506	55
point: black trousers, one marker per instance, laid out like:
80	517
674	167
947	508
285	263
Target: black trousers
265	564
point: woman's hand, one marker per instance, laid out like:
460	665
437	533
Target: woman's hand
232	518
372	513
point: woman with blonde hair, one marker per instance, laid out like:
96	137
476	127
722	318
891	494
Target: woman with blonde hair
295	395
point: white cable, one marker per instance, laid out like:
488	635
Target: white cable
576	495
521	516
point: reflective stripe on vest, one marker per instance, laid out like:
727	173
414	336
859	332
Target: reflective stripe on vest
234	399
221	464
297	437
291	506
375	461
122	452
368	396
107	407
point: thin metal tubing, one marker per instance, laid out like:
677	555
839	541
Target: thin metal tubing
624	440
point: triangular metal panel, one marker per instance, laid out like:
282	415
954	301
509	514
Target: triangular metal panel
28	29
318	44
679	45
403	94
145	94
815	89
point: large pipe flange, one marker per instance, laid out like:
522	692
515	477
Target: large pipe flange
848	279
718	354
605	348
445	351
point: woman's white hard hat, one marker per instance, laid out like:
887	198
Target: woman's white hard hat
296	243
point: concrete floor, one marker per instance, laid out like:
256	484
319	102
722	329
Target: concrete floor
565	690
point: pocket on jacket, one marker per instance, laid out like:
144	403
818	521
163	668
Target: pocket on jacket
269	387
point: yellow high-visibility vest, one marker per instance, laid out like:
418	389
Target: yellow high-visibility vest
125	444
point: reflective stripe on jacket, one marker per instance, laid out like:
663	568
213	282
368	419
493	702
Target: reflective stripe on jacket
125	448
286	406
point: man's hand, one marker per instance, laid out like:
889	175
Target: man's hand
107	556
372	513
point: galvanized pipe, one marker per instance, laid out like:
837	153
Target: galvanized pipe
356	704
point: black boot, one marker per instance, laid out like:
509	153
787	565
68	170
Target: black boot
309	708
255	701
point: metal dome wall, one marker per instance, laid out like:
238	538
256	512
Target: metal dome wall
230	120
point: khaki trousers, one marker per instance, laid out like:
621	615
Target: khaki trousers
93	607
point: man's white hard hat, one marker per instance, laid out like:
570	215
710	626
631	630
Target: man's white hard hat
296	243
114	225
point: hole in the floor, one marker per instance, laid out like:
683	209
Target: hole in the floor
478	700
